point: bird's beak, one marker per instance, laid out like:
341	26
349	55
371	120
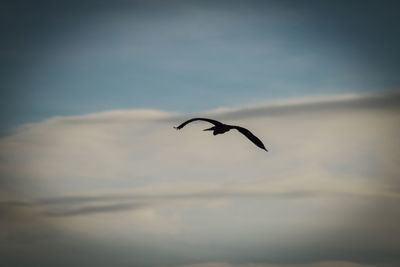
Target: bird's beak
209	129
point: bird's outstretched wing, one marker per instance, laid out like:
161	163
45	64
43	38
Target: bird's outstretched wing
216	123
251	136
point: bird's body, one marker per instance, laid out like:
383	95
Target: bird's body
220	128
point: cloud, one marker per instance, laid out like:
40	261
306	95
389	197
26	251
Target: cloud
326	191
315	264
119	202
105	203
95	209
337	103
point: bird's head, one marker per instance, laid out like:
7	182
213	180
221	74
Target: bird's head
210	129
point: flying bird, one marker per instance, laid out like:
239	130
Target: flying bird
220	128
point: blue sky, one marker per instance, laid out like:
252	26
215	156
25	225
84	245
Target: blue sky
188	56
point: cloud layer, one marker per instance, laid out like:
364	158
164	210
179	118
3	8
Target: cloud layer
129	179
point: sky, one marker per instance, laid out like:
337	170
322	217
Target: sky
92	172
76	57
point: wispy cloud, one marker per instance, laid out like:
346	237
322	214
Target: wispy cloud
118	202
334	103
110	203
314	264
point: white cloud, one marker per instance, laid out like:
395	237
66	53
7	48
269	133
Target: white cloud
129	176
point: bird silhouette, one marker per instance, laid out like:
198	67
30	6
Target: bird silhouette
220	128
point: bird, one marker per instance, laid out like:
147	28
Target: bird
220	128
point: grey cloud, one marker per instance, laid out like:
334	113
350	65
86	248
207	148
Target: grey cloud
367	102
172	196
311	264
86	210
15	203
111	203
